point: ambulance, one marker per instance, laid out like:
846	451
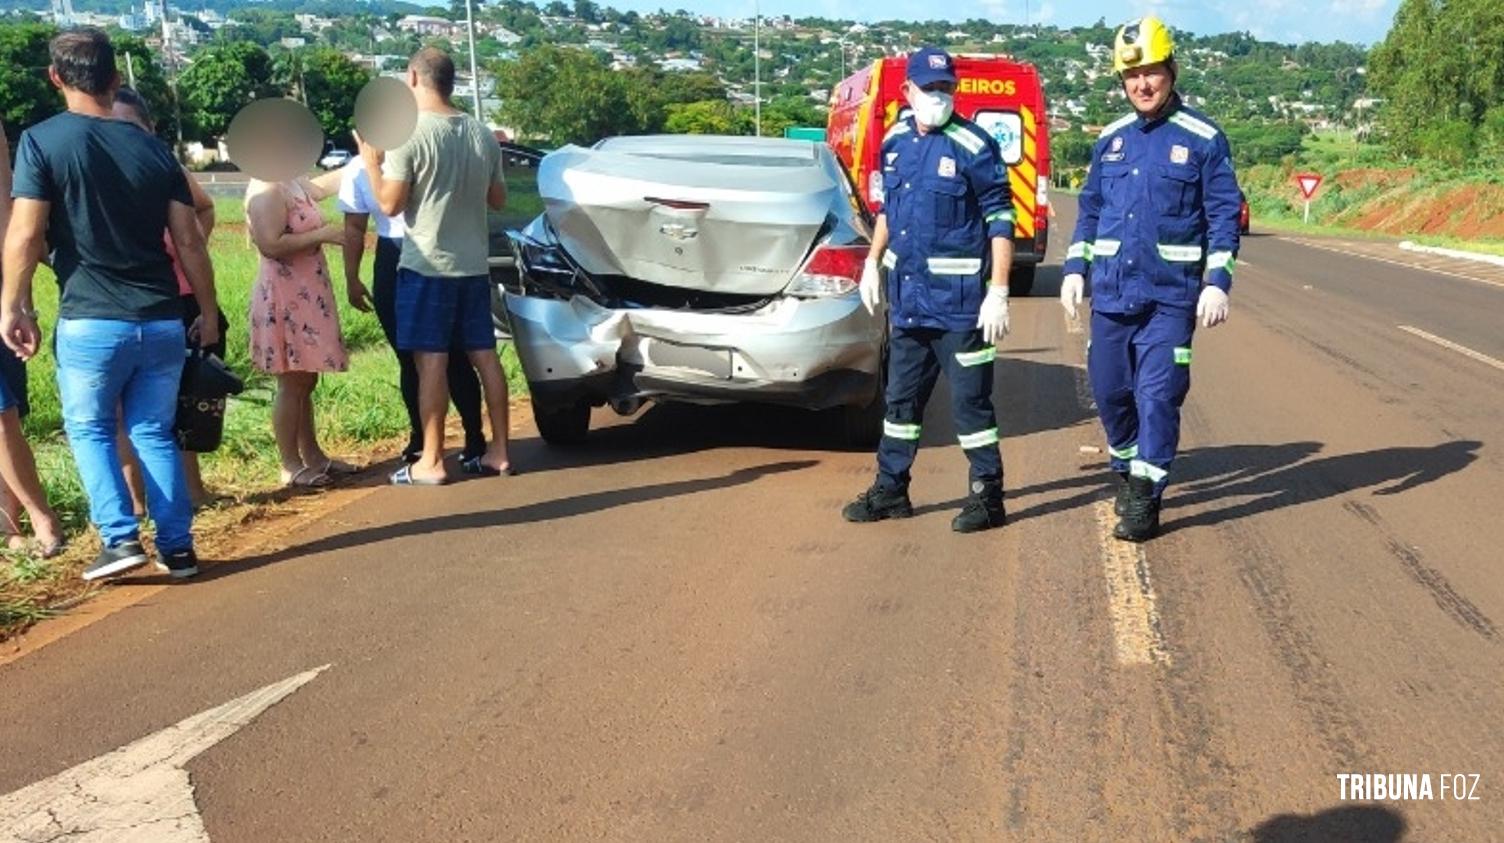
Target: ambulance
1001	95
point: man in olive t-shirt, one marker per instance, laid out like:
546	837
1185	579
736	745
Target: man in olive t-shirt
442	181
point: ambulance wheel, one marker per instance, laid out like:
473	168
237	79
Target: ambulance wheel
1021	280
562	425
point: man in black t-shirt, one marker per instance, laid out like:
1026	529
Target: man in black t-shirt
101	191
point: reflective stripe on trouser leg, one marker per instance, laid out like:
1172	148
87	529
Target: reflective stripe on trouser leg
1160	387
968	362
1109	366
912	370
1119	457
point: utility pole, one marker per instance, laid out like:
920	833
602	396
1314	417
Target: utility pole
757	66
474	77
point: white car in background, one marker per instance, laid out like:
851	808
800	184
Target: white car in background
335	158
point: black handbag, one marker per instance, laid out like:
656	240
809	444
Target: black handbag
207	376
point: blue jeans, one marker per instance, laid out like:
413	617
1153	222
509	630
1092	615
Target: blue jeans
105	363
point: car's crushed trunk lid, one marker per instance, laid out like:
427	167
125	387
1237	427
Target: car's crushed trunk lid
719	225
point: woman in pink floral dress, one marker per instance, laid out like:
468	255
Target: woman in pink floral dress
294	325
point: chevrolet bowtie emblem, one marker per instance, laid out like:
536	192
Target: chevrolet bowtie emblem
678	231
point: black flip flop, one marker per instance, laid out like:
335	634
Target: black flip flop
404	477
473	465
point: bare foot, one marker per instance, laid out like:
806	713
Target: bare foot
49	533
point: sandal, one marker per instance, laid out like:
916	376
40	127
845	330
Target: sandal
404	477
333	467
306	477
473	465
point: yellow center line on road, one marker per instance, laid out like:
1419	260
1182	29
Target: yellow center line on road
1405	264
1448	344
1130	597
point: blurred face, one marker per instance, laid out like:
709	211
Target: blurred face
1148	87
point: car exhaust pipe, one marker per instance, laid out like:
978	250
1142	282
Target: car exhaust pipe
626	406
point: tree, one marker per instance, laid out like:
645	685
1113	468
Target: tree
562	95
222	80
26	97
708	117
331	82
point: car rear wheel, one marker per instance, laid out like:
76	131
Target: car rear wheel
562	424
1021	280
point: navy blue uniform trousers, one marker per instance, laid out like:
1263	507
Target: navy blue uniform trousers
1140	370
916	357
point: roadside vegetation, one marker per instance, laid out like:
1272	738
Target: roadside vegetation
360	417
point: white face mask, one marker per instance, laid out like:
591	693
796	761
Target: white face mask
931	108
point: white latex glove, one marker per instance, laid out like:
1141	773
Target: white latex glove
993	319
1072	288
871	286
1211	308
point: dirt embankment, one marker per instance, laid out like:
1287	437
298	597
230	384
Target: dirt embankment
1401	202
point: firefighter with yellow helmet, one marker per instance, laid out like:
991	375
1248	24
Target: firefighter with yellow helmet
1158	233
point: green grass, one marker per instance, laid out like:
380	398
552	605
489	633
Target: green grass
355	411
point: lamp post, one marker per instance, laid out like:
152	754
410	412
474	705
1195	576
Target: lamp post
757	67
474	77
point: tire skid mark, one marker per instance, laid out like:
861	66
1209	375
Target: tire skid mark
1461	610
1315	689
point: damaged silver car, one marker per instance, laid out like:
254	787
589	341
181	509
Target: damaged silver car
694	268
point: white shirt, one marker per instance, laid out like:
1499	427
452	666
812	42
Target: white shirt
356	197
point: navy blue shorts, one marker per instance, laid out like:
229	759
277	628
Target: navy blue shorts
12	381
443	314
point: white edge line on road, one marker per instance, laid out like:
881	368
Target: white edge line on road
1473	278
1458	254
1448	344
1130	597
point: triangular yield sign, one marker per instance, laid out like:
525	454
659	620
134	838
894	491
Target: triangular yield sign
1308	184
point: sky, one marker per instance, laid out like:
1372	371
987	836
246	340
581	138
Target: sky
1290	21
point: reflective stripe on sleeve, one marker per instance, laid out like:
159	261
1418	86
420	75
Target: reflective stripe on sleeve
977	358
1221	260
1000	215
1103	248
980	439
890	260
955	266
1180	254
907	432
1080	250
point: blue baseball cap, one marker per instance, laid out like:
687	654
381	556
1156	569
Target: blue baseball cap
931	64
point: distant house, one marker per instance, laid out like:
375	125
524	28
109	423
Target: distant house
680	65
294	42
505	36
426	25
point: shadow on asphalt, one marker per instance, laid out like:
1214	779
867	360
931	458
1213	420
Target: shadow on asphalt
1252	479
1347	824
526	514
1030	397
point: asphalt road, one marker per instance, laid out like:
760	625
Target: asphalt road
671	635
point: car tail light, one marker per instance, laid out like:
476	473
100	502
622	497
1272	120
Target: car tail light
830	271
1042	199
875	188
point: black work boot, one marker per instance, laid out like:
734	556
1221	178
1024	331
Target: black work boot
983	509
1120	500
877	503
1140	521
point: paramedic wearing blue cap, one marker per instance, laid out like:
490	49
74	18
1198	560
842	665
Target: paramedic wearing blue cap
1159	211
945	236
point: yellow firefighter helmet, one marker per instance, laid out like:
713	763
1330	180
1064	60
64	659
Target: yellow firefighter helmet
1140	42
